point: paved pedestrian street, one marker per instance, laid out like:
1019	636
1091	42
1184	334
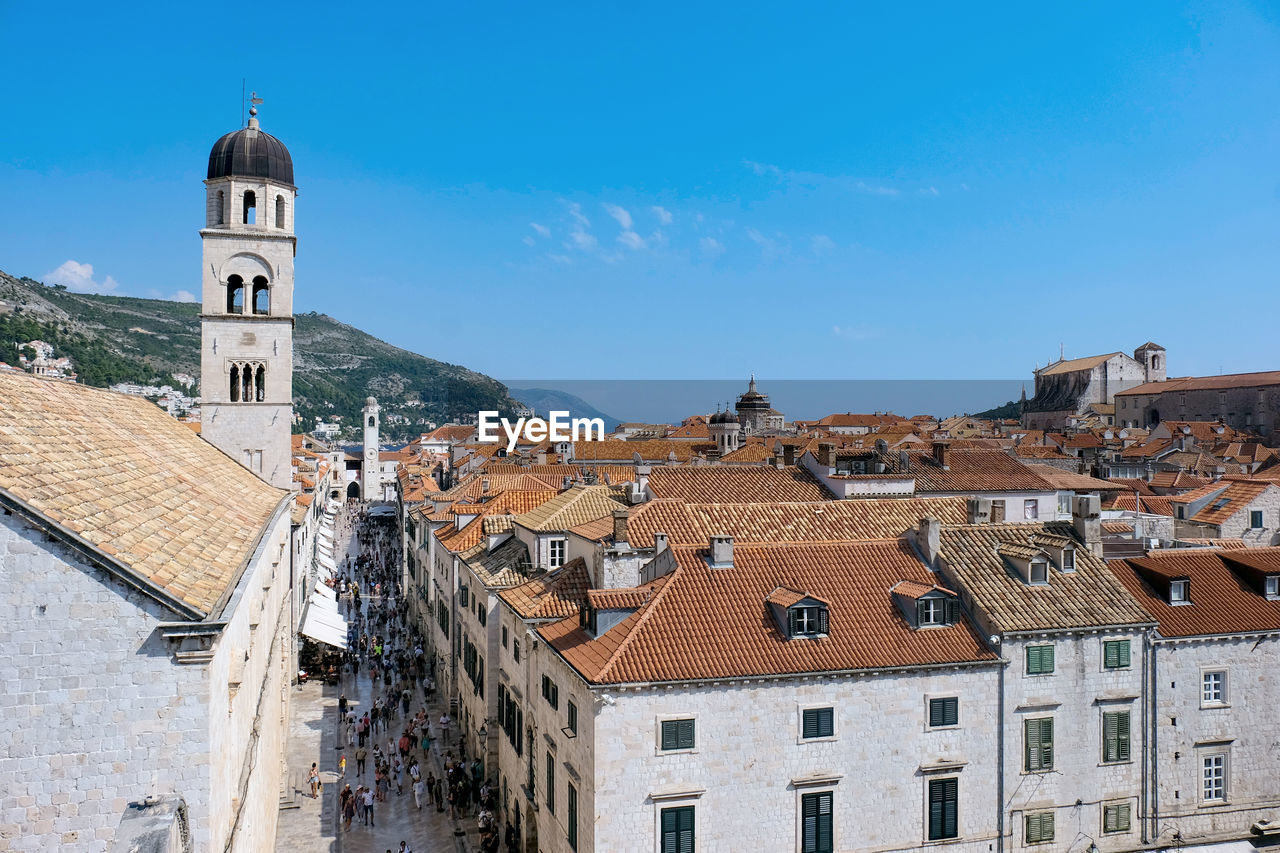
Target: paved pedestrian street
311	825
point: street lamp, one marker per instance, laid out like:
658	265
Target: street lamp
483	734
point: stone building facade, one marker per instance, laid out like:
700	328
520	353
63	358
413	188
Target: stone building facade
1245	401
246	359
1070	387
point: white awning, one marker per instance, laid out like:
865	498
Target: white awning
1224	847
322	624
326	561
322	588
379	511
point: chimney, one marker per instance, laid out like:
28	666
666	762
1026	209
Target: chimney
827	454
979	510
1086	518
484	485
721	551
659	543
788	454
620	526
940	448
904	462
929	539
642	480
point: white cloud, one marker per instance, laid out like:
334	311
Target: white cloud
575	210
763	168
620	214
561	259
631	240
584	241
874	189
822	244
664	215
528	241
710	247
78	278
543	231
183	296
930	191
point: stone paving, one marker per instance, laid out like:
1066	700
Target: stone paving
313	825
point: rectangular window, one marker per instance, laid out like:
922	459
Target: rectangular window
1177	592
1038	737
1039	827
1115	654
997	511
937	611
1031	508
1255	519
677	734
815	812
1039	571
1115	818
1115	736
556	552
551	783
571	819
515	650
1215	778
944	712
677	830
573	718
1039	660
818	722
1272	586
1214	688
943	809
550	692
1068	559
505	636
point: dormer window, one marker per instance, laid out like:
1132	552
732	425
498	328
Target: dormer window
807	621
931	611
1272	586
1178	592
1039	570
1068	559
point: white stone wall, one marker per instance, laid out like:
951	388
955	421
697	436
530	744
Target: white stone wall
1244	728
1075	696
739	777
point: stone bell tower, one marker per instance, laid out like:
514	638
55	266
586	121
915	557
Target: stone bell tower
246	349
370	478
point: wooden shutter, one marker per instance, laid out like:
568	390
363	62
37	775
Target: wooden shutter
1122	736
810	727
1039	827
953	611
1038	734
669	734
943	810
685	733
822	620
677	830
816	815
944	712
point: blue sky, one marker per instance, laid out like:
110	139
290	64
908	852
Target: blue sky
686	190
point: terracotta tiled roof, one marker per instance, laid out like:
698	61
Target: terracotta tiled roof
1073	364
736	484
134	483
619	599
653	450
1237	496
1117	526
578	505
1089	596
557	594
504	566
452	433
915	589
1147	449
1207	383
749	453
714	623
1142	487
474	485
973	471
1177	480
1064	480
1038	451
827	521
688	431
1152	504
553	475
1224	544
1223	599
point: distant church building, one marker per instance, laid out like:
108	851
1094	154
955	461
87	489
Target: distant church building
370	479
755	416
725	431
1079	386
246	363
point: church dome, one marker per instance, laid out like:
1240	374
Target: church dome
250	153
725	417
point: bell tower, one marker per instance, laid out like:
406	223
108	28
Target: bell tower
246	320
370	479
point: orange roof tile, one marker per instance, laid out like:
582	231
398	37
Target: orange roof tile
736	484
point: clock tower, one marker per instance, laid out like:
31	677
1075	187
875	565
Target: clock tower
370	477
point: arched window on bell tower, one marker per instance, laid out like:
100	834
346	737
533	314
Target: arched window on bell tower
261	296
235	383
260	384
235	295
246	383
250	208
221	217
279	211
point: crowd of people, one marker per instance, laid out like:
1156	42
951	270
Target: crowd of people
391	742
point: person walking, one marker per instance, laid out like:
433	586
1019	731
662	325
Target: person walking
368	806
342	766
362	753
313	779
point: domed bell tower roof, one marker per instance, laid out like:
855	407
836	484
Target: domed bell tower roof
250	153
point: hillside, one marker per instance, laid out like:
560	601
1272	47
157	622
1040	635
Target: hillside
115	339
543	401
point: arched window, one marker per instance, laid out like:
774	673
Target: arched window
222	207
235	295
250	208
235	383
370	420
261	296
246	383
260	384
279	211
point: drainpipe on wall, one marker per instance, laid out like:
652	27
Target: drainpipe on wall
1151	710
1000	758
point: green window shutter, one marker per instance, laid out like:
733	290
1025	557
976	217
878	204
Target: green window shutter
1122	736
936	715
953	611
677	830
1115	734
943	808
1046	743
791	622
1124	654
810	727
685	734
944	712
921	613
1047	658
1039	827
822	620
816	819
571	826
1031	744
1038	734
668	734
826	722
